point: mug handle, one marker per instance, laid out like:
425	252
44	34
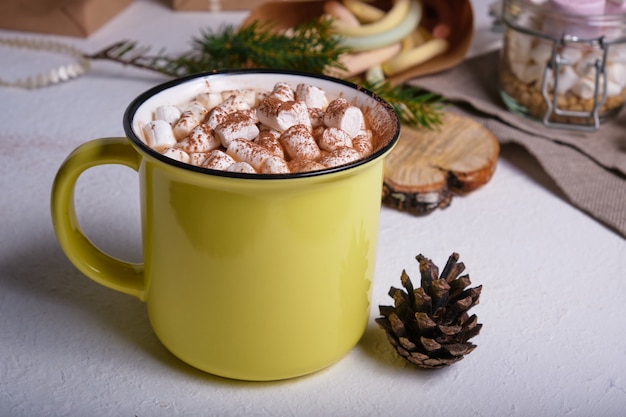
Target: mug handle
126	277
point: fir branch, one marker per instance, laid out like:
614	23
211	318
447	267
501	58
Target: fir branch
308	47
414	106
129	53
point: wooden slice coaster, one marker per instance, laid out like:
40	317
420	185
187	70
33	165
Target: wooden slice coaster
427	167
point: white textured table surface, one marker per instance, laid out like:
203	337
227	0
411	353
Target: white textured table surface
553	341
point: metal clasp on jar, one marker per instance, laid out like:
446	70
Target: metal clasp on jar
553	74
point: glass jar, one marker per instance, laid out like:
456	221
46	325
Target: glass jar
565	68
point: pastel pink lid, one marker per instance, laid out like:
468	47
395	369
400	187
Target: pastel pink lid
582	7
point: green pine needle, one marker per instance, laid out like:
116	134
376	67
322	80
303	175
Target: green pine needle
414	106
309	47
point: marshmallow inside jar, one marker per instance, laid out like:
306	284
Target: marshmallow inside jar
379	117
561	61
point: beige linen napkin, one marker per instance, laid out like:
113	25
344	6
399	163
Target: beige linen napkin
589	167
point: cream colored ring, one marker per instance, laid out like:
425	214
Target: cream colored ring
363	11
390	20
415	56
403	29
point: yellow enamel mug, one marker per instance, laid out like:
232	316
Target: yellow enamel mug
246	276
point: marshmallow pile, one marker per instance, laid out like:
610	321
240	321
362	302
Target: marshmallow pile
281	131
535	33
528	56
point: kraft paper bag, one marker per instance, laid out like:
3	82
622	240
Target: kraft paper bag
60	17
216	5
458	14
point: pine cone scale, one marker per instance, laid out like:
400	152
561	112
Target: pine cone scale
397	325
423	302
406	343
424	322
440	291
463	304
449	330
399	296
406	283
460	349
453	268
429	344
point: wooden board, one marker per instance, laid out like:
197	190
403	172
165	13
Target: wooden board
427	167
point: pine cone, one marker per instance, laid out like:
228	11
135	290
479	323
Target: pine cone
429	326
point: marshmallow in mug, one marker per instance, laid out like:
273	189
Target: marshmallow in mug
280	131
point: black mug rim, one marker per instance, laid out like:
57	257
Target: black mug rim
143	97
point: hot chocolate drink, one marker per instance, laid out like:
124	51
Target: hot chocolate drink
287	129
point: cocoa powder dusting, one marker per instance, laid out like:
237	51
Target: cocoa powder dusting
302	147
337	107
270	105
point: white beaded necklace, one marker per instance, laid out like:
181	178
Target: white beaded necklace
75	69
